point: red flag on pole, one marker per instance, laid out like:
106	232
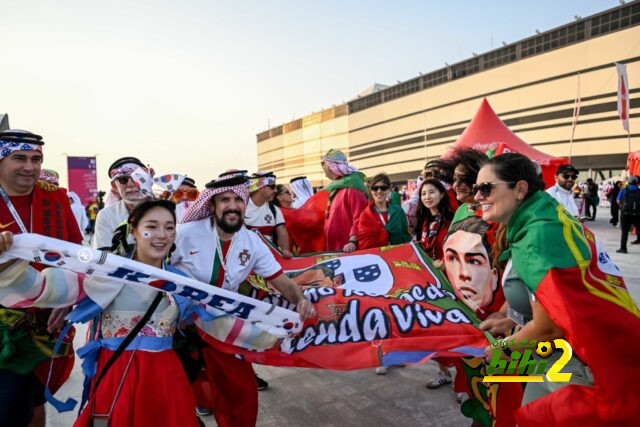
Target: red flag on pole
623	95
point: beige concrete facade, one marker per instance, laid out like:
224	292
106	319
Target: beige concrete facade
534	95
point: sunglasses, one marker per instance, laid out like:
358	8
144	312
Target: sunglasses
191	194
377	188
485	188
124	180
567	176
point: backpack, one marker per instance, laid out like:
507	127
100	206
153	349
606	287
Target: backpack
631	203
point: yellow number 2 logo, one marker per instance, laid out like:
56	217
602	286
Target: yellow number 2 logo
554	373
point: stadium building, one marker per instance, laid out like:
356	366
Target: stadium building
531	84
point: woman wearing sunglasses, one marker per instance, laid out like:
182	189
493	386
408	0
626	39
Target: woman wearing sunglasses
433	217
560	284
283	197
146	384
381	223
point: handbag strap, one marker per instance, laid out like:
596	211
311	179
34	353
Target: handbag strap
123	345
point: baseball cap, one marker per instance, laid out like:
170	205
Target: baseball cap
566	169
632	179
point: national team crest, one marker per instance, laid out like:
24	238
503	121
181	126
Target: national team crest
244	257
268	218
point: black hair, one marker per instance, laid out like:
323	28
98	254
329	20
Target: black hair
139	211
381	177
279	191
471	160
119	243
424	214
440	169
476	225
514	167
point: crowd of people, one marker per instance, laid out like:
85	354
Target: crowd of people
466	213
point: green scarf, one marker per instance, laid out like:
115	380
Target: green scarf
353	180
397	226
541	236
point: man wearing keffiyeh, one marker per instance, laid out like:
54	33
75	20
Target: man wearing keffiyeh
215	247
123	197
347	199
29	205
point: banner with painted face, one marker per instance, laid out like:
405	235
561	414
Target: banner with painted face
381	306
469	267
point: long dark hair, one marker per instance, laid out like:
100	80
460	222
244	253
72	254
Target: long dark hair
424	216
471	160
119	243
514	167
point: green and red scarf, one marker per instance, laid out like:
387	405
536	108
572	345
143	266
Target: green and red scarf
580	288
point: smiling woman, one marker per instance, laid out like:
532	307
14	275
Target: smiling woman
127	388
381	223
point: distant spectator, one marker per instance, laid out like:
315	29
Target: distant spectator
612	197
629	201
566	176
283	198
395	197
347	199
592	199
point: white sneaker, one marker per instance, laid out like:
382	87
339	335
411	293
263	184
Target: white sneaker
381	370
441	379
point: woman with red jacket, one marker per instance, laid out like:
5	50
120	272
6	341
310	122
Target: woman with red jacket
381	223
433	218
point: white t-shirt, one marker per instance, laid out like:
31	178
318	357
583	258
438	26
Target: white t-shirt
107	221
196	254
262	219
565	198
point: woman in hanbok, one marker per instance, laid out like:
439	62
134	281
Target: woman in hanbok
146	384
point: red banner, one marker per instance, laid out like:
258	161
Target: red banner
381	306
81	173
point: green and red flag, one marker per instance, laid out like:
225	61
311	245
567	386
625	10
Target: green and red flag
305	224
582	291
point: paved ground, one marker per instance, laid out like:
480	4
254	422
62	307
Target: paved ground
311	397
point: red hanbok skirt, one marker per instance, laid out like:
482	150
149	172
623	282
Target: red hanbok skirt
155	391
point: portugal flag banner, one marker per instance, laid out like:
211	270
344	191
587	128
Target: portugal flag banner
623	95
582	291
375	307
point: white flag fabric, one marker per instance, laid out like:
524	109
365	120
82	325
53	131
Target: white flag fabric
274	320
623	95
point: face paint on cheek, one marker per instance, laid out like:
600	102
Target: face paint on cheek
146	234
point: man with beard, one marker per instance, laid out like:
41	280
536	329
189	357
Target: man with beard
29	206
566	176
123	198
214	247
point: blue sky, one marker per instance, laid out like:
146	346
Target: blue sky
186	85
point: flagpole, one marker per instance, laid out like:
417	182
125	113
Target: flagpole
576	113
